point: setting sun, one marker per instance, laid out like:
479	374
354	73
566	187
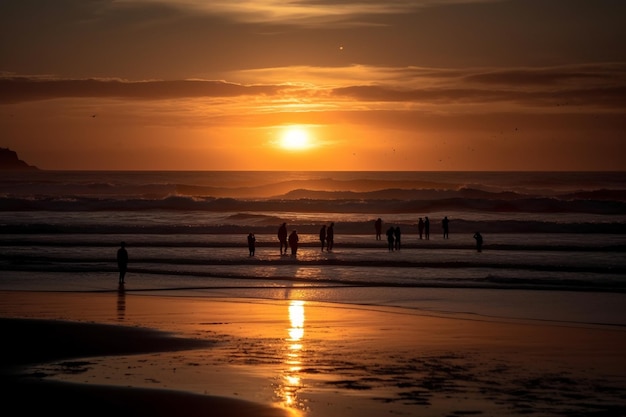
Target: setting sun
295	138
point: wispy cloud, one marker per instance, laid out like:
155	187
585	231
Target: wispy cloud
297	11
19	89
597	85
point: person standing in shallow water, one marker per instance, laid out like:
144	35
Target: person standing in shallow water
323	236
330	237
390	238
426	228
479	241
293	242
378	225
282	237
420	227
122	262
398	237
251	244
444	224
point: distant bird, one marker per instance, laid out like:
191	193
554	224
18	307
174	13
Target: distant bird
93	115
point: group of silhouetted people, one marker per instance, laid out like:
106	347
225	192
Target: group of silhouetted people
423	227
287	240
423	230
394	238
326	237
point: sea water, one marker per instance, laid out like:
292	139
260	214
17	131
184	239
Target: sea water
554	243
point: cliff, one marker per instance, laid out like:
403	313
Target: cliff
10	161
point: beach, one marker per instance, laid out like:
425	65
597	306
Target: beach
534	324
184	355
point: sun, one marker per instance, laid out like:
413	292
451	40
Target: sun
295	138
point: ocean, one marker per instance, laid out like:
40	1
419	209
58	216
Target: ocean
554	242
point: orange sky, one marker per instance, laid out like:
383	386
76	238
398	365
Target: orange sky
359	85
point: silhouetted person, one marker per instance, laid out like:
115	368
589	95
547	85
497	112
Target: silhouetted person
122	262
323	237
445	224
251	243
397	236
420	227
282	237
479	241
378	225
426	228
293	242
330	237
390	238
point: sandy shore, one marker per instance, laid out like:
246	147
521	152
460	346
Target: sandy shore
140	353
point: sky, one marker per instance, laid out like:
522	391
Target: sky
410	85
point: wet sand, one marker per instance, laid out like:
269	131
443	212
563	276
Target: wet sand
141	353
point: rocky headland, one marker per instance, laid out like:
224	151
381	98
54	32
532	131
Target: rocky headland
10	161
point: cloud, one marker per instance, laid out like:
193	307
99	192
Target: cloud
593	85
297	11
20	89
597	74
324	88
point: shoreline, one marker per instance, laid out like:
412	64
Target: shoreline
289	357
35	342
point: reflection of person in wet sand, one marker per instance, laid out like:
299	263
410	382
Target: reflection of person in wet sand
293	242
378	225
479	241
122	262
121	303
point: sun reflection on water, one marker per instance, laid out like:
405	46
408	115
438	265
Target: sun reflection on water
291	382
